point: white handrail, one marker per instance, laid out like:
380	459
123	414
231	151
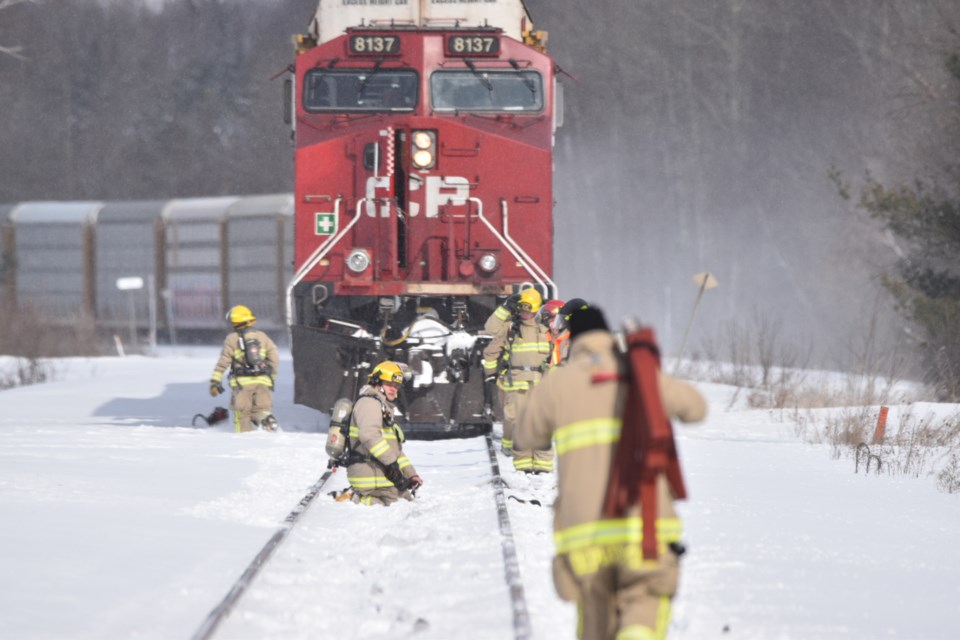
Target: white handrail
319	254
506	234
518	253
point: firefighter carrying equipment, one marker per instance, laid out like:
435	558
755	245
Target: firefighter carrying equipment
646	436
241	316
386	371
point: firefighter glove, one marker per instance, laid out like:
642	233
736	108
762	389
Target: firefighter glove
395	476
215	388
415	483
512	302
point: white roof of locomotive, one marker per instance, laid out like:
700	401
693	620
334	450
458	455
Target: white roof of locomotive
333	17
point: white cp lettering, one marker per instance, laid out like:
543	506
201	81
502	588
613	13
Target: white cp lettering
374	184
445	190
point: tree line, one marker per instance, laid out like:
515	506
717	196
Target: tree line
698	135
124	100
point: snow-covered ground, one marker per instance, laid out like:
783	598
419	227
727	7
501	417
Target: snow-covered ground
118	519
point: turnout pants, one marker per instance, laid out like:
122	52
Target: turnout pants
384	496
251	403
618	603
530	459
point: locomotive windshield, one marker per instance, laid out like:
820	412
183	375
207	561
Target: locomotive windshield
360	90
482	90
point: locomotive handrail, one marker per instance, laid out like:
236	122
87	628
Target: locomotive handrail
506	234
517	252
319	253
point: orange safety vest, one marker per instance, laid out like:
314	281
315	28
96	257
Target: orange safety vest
558	343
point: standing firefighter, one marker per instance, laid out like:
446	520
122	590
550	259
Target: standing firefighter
251	356
516	357
620	569
559	335
377	469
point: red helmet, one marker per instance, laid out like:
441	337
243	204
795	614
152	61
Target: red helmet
549	311
551	307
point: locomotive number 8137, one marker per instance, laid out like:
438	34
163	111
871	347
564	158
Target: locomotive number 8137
423	194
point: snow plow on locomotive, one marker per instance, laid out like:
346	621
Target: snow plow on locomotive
423	150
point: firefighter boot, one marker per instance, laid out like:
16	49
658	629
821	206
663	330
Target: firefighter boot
270	423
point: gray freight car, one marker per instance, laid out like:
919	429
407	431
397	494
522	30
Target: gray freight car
188	261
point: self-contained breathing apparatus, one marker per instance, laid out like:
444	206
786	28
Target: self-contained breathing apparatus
253	363
505	367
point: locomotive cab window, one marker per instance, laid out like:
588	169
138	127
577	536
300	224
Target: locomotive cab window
346	90
484	90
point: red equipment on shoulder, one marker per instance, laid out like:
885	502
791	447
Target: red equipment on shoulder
646	435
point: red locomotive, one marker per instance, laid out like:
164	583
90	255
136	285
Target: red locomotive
424	159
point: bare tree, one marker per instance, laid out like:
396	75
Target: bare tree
12	51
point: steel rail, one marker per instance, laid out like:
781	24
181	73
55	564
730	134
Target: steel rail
222	610
511	565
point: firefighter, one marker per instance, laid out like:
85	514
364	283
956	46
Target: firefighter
599	563
559	336
516	358
252	358
377	469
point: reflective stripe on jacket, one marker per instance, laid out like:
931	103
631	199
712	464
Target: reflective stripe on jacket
519	357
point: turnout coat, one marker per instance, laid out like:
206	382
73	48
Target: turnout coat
584	420
376	441
232	358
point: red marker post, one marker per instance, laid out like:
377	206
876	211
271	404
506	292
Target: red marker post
881	426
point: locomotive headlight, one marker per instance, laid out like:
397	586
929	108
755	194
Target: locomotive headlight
358	260
424	154
488	263
422	159
422	140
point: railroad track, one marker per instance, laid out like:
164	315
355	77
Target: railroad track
520	615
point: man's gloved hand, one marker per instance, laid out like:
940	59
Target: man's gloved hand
395	476
215	388
415	483
512	302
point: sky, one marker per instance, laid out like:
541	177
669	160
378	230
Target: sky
122	520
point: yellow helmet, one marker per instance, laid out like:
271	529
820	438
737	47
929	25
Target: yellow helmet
386	371
530	300
241	316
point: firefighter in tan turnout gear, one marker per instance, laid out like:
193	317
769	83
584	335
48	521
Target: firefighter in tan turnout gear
599	563
517	357
252	360
377	469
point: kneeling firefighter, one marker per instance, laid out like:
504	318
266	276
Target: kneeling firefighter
377	469
251	356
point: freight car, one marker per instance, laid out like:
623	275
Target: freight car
195	258
423	136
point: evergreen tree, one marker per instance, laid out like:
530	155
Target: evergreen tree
923	221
